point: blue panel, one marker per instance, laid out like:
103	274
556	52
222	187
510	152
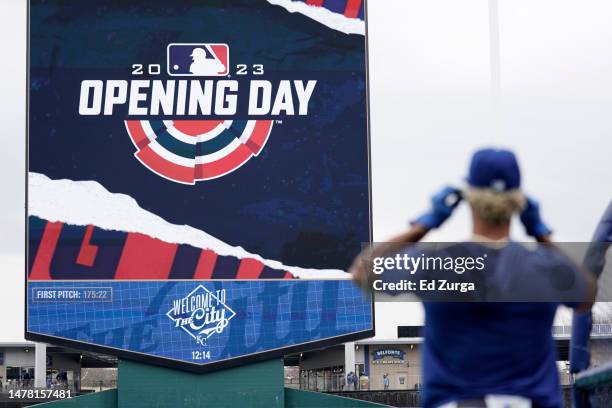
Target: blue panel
137	316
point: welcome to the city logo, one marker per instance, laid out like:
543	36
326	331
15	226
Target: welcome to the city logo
201	313
205	119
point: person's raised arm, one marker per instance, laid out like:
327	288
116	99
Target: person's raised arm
533	223
536	228
443	203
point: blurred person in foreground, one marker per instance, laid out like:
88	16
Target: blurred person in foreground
490	354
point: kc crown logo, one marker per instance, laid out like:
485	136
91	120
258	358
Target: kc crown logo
197	124
201	313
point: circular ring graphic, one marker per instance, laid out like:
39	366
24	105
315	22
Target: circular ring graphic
188	151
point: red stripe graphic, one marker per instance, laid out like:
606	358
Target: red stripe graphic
206	265
222	52
88	252
46	249
260	136
235	159
195	127
317	3
249	269
144	257
352	8
137	133
165	168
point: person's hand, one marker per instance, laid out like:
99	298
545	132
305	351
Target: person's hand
361	269
532	220
443	203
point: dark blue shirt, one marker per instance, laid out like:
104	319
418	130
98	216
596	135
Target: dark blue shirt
482	346
475	349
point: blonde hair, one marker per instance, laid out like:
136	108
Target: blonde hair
493	206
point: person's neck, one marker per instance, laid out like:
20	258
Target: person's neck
490	231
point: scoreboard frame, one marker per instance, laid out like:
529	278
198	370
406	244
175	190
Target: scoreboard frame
175	363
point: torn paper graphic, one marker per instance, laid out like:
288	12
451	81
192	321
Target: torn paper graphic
145	245
346	22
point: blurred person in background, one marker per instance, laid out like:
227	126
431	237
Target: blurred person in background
582	323
479	354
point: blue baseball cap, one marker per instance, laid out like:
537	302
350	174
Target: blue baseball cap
497	169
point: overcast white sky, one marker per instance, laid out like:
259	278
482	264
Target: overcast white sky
430	109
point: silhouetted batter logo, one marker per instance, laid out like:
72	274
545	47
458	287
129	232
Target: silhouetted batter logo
198	59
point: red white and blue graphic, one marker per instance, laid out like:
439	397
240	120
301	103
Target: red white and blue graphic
187	151
198	59
350	8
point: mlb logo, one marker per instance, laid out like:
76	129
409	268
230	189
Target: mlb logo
202	59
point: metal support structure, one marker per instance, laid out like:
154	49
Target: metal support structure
349	359
40	365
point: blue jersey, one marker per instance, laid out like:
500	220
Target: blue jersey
476	348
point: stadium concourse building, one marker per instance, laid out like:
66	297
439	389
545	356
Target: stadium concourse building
395	352
27	365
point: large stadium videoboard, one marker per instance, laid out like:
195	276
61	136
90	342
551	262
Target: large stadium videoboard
198	177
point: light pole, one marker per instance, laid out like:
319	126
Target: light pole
494	53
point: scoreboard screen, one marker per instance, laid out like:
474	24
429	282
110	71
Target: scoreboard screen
198	177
